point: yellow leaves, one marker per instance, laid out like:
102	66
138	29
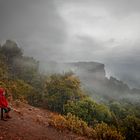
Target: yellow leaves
58	122
100	132
75	124
71	123
104	132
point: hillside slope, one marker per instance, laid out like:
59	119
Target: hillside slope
30	123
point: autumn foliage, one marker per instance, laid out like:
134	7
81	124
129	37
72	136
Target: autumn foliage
71	122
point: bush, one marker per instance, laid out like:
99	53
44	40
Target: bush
89	111
104	132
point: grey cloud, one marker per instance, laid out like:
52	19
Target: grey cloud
84	48
35	23
40	29
117	7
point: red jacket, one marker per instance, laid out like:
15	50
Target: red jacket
3	101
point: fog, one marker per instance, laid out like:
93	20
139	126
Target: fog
105	31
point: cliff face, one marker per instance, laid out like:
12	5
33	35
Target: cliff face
88	70
91	74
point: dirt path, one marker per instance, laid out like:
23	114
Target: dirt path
29	123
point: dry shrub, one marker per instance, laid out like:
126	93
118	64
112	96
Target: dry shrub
58	122
105	132
71	122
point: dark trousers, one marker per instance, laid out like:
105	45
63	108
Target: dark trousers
1	113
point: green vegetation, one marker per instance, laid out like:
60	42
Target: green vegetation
60	89
20	75
62	93
89	111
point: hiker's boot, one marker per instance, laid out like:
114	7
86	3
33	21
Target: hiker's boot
8	117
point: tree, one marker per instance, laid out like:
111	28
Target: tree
11	50
60	89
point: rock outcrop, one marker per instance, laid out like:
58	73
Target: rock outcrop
93	78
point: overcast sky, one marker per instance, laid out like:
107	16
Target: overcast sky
106	31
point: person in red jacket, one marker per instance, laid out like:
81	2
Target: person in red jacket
4	103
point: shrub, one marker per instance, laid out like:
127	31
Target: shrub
71	123
89	111
131	127
104	132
